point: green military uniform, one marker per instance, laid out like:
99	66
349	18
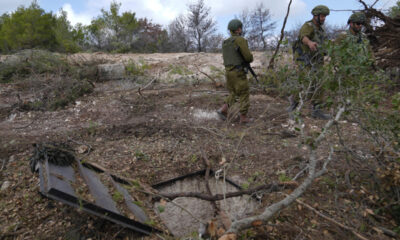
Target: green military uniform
303	54
310	62
359	37
235	53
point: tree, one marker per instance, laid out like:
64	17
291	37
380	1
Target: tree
28	28
395	10
150	37
200	24
112	31
244	17
179	36
261	26
214	42
65	35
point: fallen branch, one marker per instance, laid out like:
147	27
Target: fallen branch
206	177
148	84
332	220
205	74
270	211
217	197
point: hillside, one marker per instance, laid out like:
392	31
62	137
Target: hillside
153	125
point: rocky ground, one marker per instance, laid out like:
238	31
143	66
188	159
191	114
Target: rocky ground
158	133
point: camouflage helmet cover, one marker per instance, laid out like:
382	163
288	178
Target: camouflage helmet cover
234	24
320	9
357	17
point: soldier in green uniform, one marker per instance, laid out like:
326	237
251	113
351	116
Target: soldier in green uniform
309	56
236	53
355	35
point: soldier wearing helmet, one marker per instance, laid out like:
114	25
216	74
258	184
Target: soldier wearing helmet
309	56
355	22
235	53
355	35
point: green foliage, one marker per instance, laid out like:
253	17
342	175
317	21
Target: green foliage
29	68
245	186
67	37
179	70
112	31
136	69
28	28
28	62
161	208
284	178
32	27
68	92
118	197
141	156
395	10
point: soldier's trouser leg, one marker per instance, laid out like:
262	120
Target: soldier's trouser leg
238	87
230	85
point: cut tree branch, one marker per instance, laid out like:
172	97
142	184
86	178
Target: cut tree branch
332	220
270	211
207	176
218	197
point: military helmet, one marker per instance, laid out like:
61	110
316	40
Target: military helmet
234	25
357	17
320	9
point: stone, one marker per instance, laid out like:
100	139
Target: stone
5	185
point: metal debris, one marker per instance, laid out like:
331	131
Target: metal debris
57	182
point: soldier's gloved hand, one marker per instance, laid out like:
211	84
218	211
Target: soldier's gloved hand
312	45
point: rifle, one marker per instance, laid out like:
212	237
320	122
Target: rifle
246	66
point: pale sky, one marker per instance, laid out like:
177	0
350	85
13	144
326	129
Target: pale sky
164	11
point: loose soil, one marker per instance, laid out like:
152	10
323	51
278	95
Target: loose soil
159	133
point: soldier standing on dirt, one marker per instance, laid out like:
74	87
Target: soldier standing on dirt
235	52
309	57
355	35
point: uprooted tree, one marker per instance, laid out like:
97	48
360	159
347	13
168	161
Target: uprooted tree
384	35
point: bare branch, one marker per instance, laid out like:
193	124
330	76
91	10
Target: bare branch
332	220
218	197
271	62
274	208
206	177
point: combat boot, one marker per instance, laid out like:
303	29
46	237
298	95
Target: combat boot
316	112
244	119
223	112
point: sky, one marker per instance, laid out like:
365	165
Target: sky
164	11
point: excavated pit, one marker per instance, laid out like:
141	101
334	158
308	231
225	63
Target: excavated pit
180	223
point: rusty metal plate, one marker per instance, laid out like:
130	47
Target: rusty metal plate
56	182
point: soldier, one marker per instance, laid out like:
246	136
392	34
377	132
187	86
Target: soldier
355	35
309	56
236	53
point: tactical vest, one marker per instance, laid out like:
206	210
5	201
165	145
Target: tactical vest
358	37
302	53
230	53
319	35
